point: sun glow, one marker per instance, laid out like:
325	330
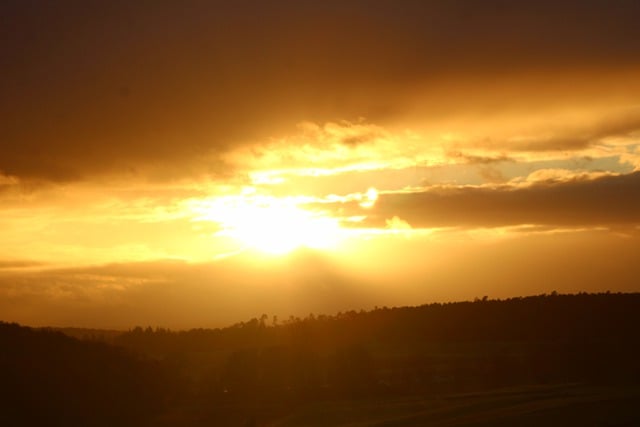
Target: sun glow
271	225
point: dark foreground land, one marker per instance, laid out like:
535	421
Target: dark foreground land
550	405
553	360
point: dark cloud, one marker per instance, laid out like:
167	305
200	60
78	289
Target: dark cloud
604	201
623	124
478	160
94	87
362	138
18	264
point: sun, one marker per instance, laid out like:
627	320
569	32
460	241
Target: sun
272	225
278	228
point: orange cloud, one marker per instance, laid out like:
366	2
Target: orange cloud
556	199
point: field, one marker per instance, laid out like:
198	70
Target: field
557	405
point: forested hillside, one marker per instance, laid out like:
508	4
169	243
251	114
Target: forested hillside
49	379
266	369
465	345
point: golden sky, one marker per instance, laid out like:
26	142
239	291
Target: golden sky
194	164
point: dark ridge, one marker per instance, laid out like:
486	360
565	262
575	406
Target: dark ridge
50	379
562	349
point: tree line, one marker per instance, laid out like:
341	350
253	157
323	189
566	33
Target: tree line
156	376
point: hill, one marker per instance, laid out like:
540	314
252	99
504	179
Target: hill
51	379
543	358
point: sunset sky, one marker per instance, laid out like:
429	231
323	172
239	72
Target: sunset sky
198	163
